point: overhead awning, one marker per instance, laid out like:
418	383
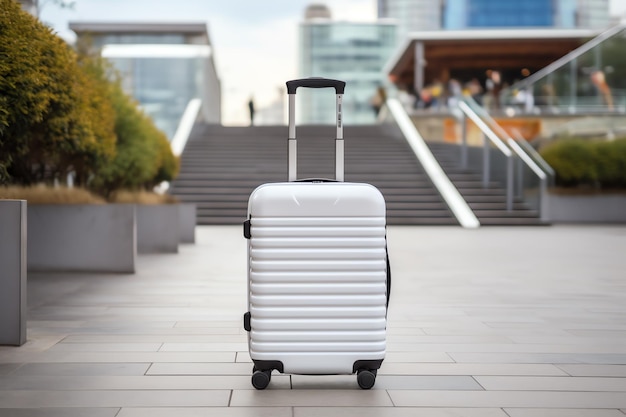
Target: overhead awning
426	56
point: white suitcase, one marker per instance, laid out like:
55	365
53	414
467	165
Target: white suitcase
318	270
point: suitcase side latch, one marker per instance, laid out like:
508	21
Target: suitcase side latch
246	322
246	229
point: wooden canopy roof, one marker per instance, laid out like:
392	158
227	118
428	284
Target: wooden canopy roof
447	54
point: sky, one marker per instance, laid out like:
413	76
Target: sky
254	41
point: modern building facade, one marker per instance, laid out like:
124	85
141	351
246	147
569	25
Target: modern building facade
413	15
462	14
424	15
563	14
355	52
164	66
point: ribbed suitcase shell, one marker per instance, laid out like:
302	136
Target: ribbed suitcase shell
317	275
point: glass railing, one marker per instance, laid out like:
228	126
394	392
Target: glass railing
493	157
505	158
589	80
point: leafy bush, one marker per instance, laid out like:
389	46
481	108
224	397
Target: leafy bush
52	118
578	162
144	157
572	160
612	163
60	113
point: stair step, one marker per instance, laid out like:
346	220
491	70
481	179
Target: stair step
220	167
488	204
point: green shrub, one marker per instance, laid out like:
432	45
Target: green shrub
60	113
578	162
611	163
54	118
168	164
573	161
144	156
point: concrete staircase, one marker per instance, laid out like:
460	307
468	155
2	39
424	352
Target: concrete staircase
488	204
221	166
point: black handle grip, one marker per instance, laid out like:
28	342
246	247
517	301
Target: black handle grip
315	82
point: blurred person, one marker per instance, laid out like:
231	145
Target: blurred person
475	90
548	97
454	92
599	81
379	99
251	109
494	87
425	98
436	91
524	100
407	99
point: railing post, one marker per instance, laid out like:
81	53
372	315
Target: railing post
543	191
464	143
520	178
509	183
573	83
486	162
419	66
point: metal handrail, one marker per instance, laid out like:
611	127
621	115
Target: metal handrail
527	159
179	141
543	178
488	134
564	60
547	169
440	180
491	135
526	153
534	156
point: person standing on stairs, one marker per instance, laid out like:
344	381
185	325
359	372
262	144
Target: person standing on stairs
251	108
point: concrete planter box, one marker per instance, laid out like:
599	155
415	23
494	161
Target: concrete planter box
13	238
158	229
187	222
82	237
586	208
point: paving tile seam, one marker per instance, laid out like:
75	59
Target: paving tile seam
474	377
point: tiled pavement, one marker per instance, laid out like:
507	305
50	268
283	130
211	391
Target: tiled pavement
495	322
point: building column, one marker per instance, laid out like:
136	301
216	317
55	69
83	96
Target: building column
420	63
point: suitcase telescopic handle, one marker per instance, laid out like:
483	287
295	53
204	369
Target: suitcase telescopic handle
315	82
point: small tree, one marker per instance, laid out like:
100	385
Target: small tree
60	113
98	149
144	156
24	82
54	115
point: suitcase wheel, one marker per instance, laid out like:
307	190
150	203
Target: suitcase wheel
261	379
366	378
